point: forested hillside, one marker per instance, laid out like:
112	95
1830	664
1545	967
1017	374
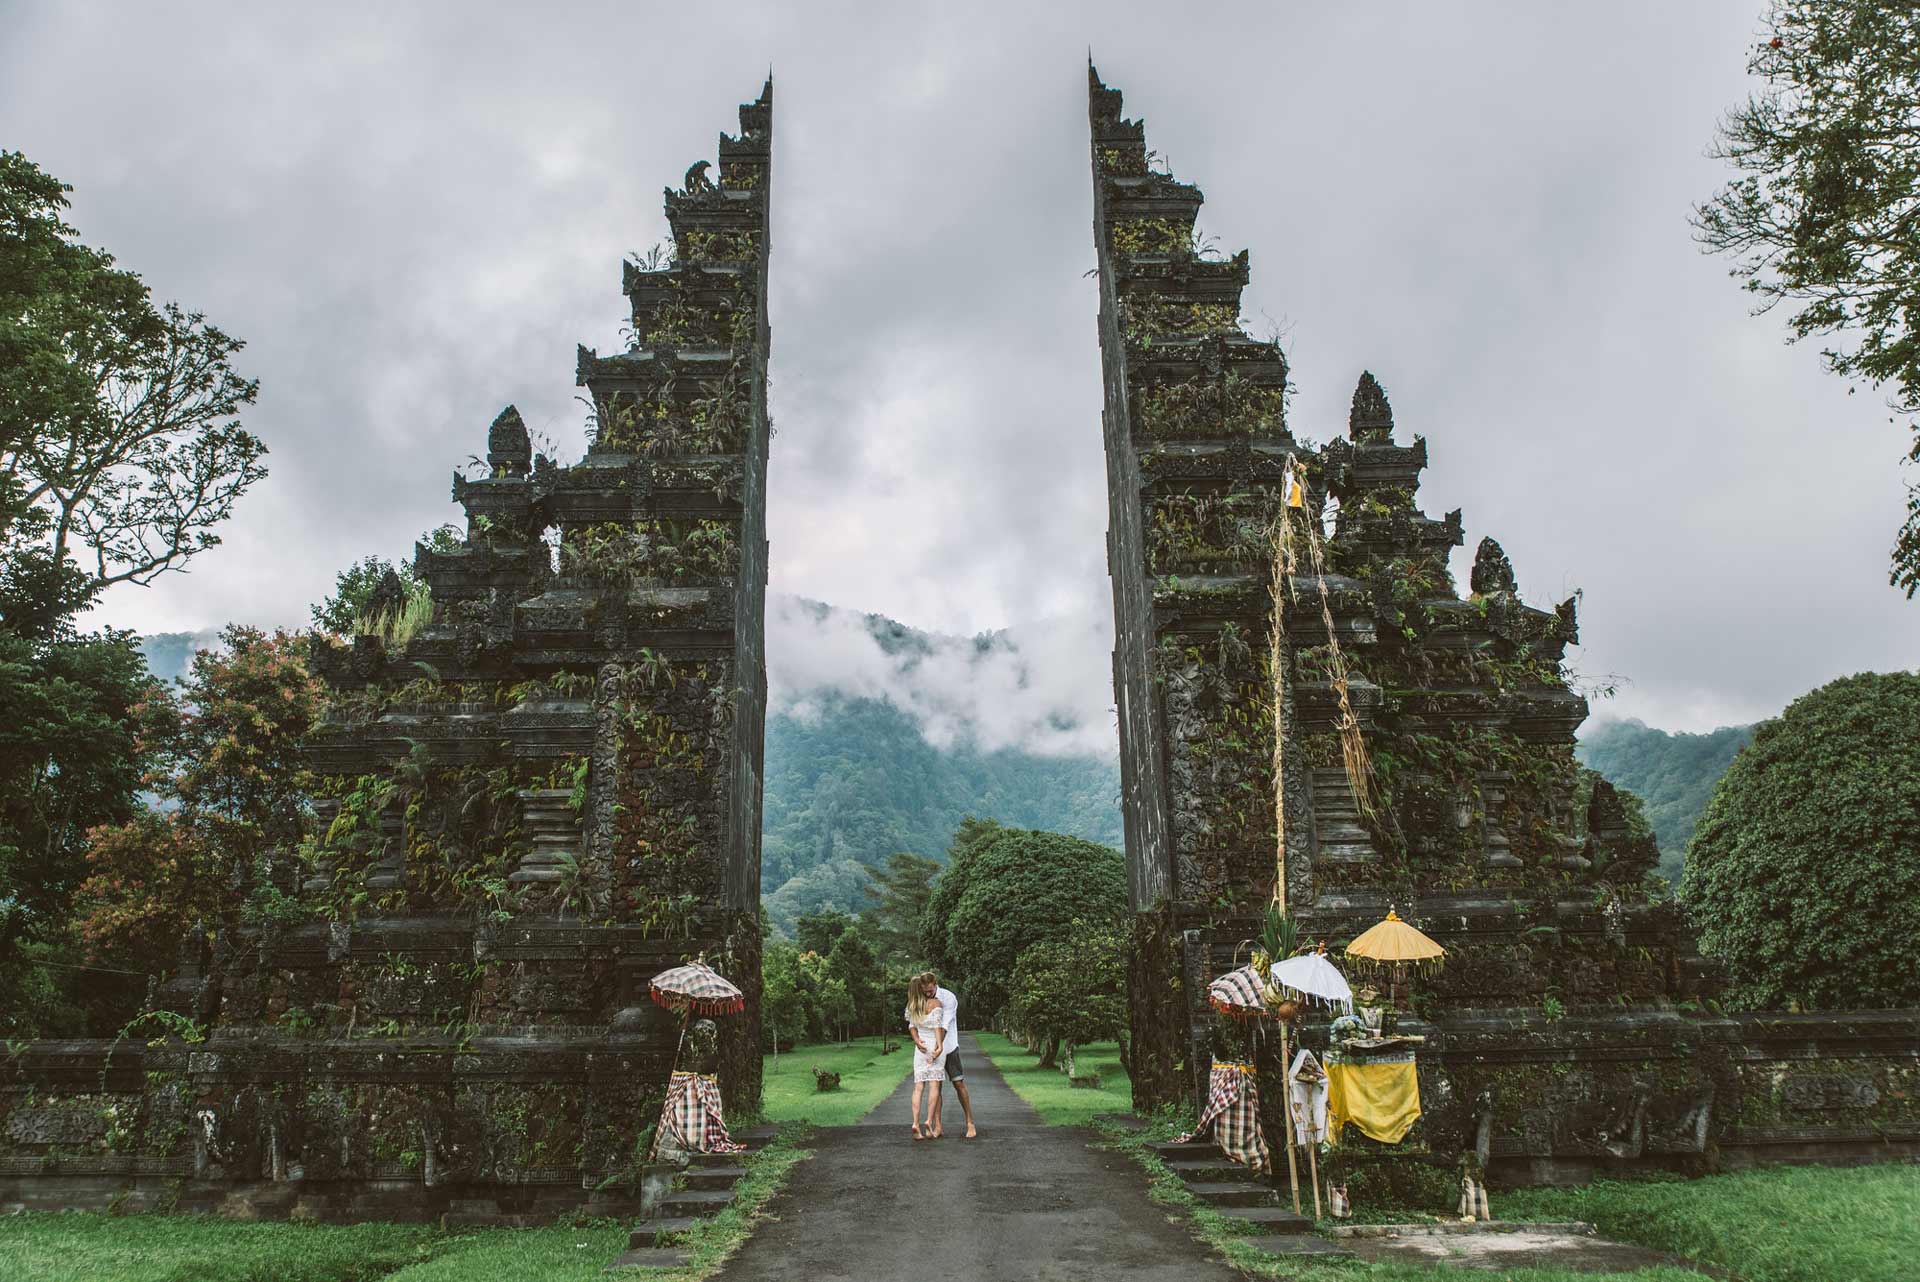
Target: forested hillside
853	784
1673	774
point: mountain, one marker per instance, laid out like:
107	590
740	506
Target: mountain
1673	774
853	780
170	654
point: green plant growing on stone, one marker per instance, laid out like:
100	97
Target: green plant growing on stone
398	625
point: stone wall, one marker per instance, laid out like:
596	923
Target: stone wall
538	792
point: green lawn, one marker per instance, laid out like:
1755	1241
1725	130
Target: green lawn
77	1247
866	1078
194	1248
1047	1089
1781	1224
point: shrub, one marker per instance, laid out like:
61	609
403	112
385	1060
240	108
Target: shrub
1804	870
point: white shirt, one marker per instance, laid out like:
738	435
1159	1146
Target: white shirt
950	1007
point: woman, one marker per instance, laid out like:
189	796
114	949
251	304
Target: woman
927	1026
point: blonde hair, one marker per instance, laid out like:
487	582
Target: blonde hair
920	994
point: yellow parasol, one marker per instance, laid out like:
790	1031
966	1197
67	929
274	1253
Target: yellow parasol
1396	945
1395	942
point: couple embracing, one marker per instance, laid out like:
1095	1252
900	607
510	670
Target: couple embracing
933	1021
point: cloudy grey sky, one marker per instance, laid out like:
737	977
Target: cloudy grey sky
413	213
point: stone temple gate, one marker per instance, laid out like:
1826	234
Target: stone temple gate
1573	1028
543	794
541	781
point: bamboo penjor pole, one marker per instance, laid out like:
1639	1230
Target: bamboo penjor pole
1276	667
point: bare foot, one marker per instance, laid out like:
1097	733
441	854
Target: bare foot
916	1132
971	1133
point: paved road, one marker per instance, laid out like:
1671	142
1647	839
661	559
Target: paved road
1022	1202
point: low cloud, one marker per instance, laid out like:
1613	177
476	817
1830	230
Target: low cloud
1028	688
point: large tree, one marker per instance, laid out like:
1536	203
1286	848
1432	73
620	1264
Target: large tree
1826	214
120	445
900	891
229	762
1010	891
1804	869
71	712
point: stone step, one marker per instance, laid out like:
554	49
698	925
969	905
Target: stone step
1231	1193
667	1229
1217	1171
651	1257
715	1159
1269	1219
701	1202
1192	1151
493	1220
1297	1244
713	1177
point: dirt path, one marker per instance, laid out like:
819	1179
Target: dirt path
1023	1201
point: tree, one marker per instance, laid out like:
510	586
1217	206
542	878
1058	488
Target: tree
968	839
836	1008
72	712
900	891
851	961
1803	870
783	1008
1827	213
119	441
1011	890
231	762
353	587
1072	988
817	932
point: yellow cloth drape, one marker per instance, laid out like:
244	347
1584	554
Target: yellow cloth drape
1383	1100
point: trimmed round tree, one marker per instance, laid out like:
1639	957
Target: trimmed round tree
1013	891
1803	873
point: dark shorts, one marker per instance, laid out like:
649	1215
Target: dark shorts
956	1071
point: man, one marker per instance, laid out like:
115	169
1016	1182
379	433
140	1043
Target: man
956	1071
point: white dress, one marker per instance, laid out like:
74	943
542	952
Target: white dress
929	1068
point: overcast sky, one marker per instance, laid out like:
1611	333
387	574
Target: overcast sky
412	215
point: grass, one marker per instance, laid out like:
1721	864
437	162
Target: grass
77	1247
1780	1224
866	1077
1057	1101
197	1248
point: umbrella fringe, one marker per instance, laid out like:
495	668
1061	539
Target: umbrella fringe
700	1005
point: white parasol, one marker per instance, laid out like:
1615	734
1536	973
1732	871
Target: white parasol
1312	977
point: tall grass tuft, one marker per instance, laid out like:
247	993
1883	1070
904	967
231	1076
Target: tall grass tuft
398	626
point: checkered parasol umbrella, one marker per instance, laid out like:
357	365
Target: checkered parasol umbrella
1240	993
698	989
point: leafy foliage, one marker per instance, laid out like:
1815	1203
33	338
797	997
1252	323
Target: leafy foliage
71	757
1007	889
1073	986
1826	214
899	892
119	441
1804	866
227	760
353	587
